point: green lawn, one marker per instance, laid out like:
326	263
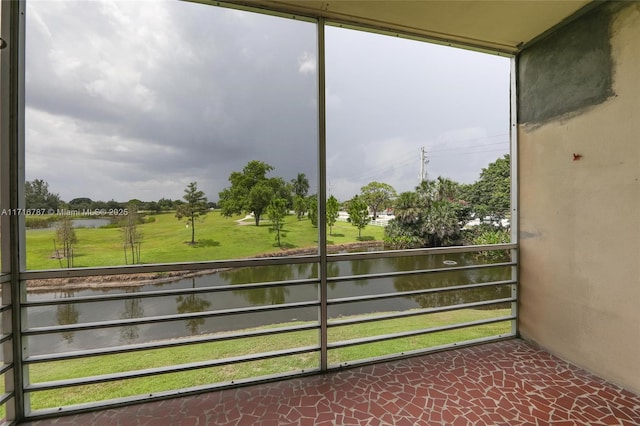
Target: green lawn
166	240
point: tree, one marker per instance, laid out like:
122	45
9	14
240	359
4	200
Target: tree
259	198
37	196
195	207
300	206
165	204
112	205
82	203
407	209
131	237
403	231
446	189
428	217
66	235
281	189
312	203
153	207
276	213
300	185
440	225
251	191
490	195
358	214
332	212
378	196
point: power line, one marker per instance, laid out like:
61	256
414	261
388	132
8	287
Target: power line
470	146
477	138
376	172
505	150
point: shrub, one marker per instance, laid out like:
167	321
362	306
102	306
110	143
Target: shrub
34	222
493	236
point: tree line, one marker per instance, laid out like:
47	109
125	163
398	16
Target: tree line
430	216
434	214
39	197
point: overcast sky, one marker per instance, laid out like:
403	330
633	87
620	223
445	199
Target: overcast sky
136	99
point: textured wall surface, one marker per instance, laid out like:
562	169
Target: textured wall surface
568	70
580	216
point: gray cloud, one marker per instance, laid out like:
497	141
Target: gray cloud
136	99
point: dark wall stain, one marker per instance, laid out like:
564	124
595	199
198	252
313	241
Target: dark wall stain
569	70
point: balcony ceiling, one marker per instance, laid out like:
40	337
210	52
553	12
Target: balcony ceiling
505	25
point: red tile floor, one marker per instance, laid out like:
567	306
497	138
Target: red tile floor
504	383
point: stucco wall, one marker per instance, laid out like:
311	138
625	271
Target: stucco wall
579	218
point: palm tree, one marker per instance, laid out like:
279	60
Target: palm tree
446	189
407	209
300	185
441	225
426	192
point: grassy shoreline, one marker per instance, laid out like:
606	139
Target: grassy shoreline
152	278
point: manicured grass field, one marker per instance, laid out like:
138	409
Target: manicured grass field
166	240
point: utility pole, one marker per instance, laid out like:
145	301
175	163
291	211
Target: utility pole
423	164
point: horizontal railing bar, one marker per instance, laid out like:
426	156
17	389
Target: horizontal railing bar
4	308
164	318
381	296
384	337
5	337
32	359
5	367
127	375
165	267
156	396
419	252
422	351
163	293
5	278
418	272
6	396
418	312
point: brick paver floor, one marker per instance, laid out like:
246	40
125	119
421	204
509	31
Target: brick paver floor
502	383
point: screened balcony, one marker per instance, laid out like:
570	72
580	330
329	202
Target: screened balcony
540	329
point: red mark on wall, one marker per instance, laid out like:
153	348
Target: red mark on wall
576	157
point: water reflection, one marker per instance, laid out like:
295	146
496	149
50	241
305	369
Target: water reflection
265	296
275	295
333	270
261	274
362	267
451	279
133	308
66	314
192	303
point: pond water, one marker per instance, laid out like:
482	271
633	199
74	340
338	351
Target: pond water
85	223
148	307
